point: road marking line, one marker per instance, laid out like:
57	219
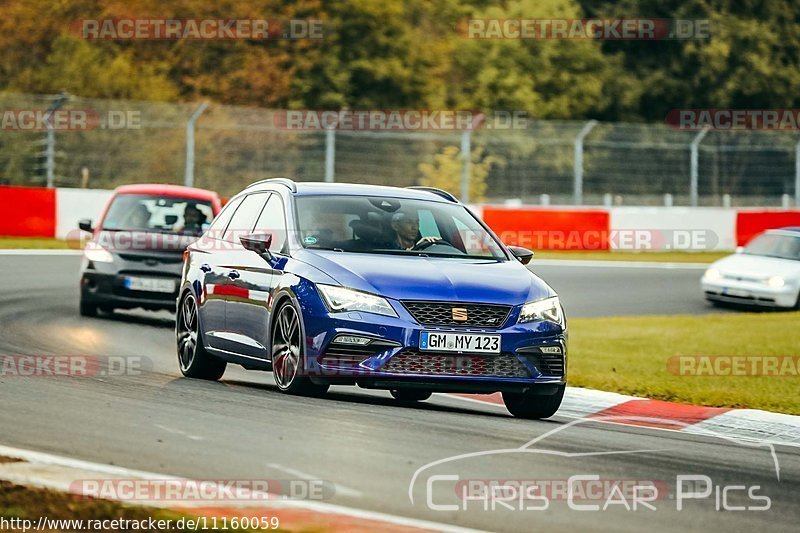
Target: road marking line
340	489
179	432
58	483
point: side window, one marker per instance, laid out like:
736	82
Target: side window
219	224
244	219
273	222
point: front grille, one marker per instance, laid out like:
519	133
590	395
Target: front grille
441	314
549	364
153	258
411	362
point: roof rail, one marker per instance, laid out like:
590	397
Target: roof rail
439	192
286	182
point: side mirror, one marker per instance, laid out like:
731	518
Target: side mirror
170	220
86	225
740	249
523	255
258	243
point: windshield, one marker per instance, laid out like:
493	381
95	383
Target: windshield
775	245
143	212
393	226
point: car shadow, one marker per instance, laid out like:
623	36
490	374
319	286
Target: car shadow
136	317
359	399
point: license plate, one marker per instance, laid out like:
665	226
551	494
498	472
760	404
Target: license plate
150	284
735	292
459	342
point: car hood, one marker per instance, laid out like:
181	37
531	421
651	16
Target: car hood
757	266
430	278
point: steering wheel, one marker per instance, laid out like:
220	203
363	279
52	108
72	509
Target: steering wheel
424	243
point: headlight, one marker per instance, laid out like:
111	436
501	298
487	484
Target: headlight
712	274
548	309
776	282
97	254
341	299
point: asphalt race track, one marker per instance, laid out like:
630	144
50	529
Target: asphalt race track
368	447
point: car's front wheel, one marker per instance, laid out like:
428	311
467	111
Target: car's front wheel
193	359
287	353
533	406
87	309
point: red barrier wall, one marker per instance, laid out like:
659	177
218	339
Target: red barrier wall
27	212
550	229
751	223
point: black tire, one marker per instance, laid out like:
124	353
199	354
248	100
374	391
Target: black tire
287	349
533	406
107	309
193	359
410	395
87	309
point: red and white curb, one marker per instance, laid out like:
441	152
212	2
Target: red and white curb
64	474
742	424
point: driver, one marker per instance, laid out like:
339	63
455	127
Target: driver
194	220
408	237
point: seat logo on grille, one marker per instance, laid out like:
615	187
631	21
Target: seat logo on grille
460	314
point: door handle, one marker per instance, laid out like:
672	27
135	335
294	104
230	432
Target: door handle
205	268
233	274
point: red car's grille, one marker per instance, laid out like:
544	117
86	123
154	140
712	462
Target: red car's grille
410	362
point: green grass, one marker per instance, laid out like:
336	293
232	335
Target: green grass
34	243
630	355
665	257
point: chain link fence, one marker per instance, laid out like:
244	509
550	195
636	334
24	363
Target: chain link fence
544	161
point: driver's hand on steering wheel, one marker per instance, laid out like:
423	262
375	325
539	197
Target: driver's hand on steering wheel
427	241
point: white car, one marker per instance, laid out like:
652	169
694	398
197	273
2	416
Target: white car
765	273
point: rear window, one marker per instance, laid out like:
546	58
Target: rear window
144	212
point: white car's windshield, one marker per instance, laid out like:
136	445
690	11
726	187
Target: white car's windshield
775	245
143	212
393	226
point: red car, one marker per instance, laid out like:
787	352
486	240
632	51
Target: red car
134	257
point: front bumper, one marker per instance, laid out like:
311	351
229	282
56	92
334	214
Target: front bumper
749	293
394	358
103	284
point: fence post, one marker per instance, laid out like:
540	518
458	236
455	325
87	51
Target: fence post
330	154
797	174
188	175
578	163
466	156
694	169
50	140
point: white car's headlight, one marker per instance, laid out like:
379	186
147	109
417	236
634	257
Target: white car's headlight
341	299
712	274
547	309
776	282
97	254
